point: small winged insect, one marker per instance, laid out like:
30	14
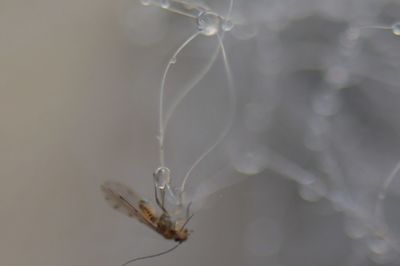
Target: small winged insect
127	201
123	198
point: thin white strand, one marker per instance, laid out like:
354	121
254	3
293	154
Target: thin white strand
228	126
162	89
232	96
230	8
383	190
376	27
183	94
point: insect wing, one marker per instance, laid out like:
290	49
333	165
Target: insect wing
126	201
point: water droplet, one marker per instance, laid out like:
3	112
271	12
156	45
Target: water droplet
381	249
145	2
250	163
354	227
312	192
173	60
162	177
378	245
165	3
208	23
227	25
352	33
349	38
384	258
396	28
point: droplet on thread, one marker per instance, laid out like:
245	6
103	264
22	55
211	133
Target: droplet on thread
396	28
352	33
145	2
162	177
227	25
381	250
165	3
312	192
378	245
251	163
354	227
208	23
173	60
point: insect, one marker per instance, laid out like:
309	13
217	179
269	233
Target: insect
127	201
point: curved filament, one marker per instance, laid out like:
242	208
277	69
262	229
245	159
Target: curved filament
162	89
232	103
152	256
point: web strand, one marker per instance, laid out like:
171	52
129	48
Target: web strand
232	103
162	89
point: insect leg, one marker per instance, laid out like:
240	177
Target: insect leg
160	204
188	210
186	222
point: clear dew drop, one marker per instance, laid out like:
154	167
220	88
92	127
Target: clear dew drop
173	60
165	3
145	2
250	163
312	192
352	34
396	28
378	245
162	177
208	23
381	250
354	227
227	25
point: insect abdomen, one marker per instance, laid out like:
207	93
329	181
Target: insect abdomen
147	213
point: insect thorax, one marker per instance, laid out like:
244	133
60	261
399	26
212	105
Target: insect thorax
167	228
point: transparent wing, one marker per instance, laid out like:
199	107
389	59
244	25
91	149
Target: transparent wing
198	193
125	200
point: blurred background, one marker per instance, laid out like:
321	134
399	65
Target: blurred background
308	174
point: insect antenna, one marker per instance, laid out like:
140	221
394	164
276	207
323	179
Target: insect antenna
152	256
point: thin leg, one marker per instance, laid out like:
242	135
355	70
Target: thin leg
186	222
188	210
160	204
